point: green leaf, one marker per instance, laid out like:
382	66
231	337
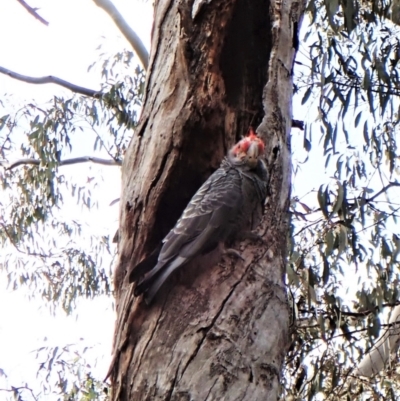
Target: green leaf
332	7
322	200
306	144
349	14
330	242
293	278
382	73
321	323
370	96
326	271
342	239
3	121
366	81
375	327
385	250
34	134
312	296
366	133
306	95
358	118
347	103
305	207
339	198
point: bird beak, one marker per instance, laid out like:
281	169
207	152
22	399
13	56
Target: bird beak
252	154
253	151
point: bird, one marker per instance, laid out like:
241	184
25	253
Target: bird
230	201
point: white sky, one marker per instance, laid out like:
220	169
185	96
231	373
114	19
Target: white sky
64	49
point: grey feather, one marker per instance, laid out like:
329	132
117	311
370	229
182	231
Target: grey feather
230	200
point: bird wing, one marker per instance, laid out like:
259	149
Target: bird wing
208	219
208	216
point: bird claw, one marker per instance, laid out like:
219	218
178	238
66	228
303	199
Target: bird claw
234	253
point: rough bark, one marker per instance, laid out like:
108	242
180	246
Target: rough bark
215	332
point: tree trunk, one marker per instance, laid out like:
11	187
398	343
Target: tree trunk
215	332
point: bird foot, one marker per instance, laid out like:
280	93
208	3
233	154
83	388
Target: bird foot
234	253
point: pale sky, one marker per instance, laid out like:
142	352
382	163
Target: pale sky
64	49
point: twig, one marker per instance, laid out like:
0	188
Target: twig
380	220
126	30
363	329
367	312
66	162
52	80
16	391
308	226
102	142
33	12
384	189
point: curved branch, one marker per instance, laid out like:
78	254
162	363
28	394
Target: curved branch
384	189
33	12
369	311
96	160
126	30
66	162
17	390
52	80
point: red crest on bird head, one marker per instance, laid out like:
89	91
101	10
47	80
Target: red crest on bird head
241	150
252	136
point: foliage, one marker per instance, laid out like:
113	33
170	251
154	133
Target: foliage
64	374
47	250
344	265
46	240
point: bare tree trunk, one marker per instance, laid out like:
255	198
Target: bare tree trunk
219	332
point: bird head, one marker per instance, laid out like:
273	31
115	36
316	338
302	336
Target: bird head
247	151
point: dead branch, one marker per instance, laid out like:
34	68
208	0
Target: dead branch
66	162
52	80
384	189
33	12
126	30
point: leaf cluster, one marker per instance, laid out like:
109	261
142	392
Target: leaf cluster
343	268
60	257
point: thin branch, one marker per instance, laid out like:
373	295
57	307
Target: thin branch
363	329
102	142
17	390
369	311
308	226
380	220
66	162
52	80
354	314
126	30
95	160
33	12
384	189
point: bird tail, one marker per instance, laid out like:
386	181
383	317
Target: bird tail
150	285
145	265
